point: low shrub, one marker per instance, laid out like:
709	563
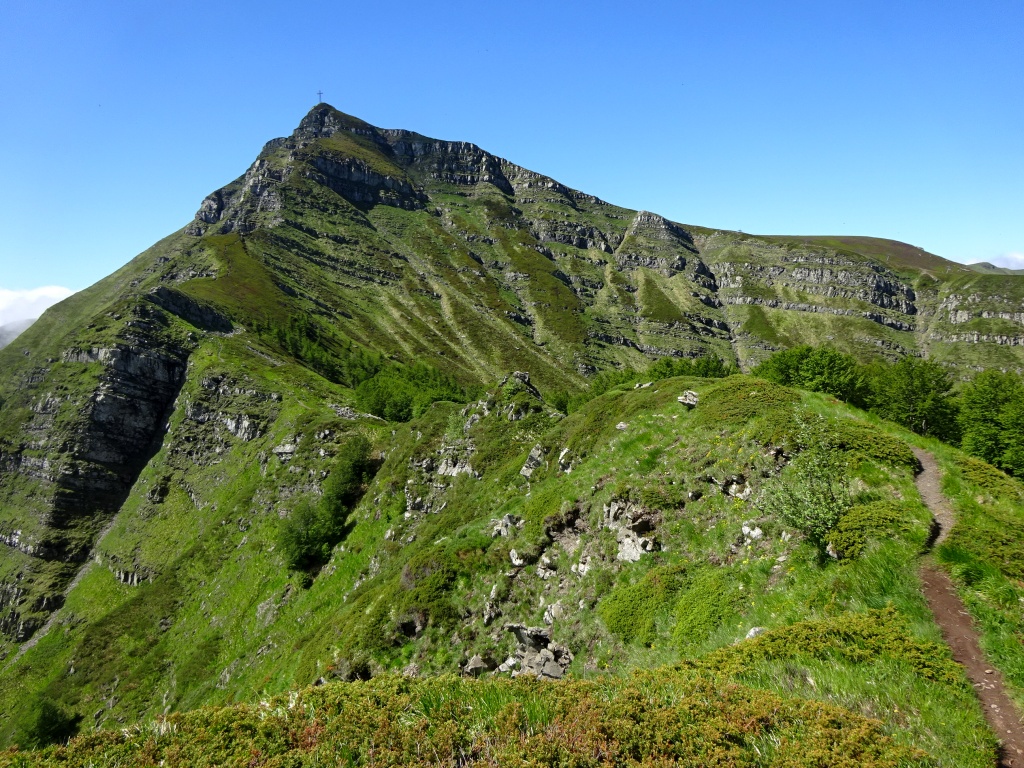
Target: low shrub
632	611
703	607
864	521
872	442
766	409
46	723
307	536
811	493
988	478
657	717
851	637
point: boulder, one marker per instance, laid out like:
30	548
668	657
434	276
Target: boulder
477	665
689	398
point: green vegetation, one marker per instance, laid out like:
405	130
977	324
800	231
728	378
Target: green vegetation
709	600
818	369
985	418
707	366
308	535
916	394
877	520
811	494
992	420
644	719
45	723
274	534
630	610
338	361
400	392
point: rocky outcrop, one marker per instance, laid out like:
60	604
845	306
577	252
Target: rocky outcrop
634	528
356	181
536	655
198	313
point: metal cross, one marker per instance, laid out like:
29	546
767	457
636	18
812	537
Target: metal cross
319	96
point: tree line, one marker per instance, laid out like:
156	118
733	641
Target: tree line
385	388
985	417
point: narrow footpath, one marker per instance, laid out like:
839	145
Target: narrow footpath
957	628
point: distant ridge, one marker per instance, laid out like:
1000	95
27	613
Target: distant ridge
987	268
10	331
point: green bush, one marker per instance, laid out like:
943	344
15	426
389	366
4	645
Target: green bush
818	369
916	394
878	519
46	723
654	717
988	478
428	579
851	637
992	420
993	536
767	409
874	443
403	392
703	607
338	360
632	611
811	494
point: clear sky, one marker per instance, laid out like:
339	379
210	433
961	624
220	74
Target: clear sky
898	119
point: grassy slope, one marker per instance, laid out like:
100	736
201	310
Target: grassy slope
888	666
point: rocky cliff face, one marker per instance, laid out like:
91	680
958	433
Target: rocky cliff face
92	420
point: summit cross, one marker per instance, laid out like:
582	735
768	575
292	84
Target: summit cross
319	96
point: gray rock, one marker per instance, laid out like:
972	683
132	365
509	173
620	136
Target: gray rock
284	452
451	467
630	521
581	568
565	460
752	532
631	546
476	666
553	612
754	632
506	526
530	637
689	398
622	426
516	559
533	461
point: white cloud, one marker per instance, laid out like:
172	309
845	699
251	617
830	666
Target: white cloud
27	304
1010	260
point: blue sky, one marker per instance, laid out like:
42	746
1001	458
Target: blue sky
891	119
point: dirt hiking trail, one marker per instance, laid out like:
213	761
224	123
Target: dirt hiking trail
958	629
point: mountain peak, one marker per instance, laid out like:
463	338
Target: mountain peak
324	120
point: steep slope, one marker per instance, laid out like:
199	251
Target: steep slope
157	428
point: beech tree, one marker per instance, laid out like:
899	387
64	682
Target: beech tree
992	420
916	394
